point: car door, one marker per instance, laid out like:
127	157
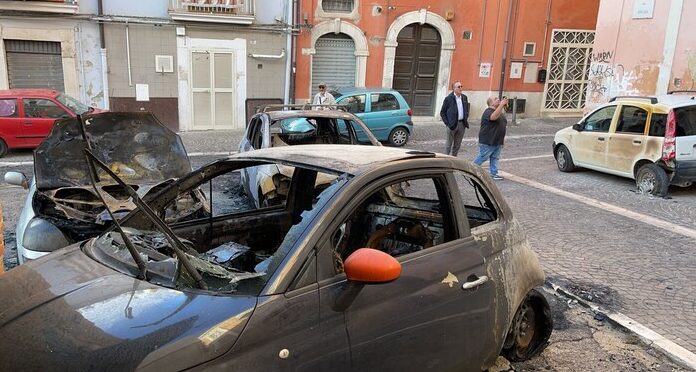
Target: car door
589	146
11	123
356	104
424	319
254	138
383	112
627	141
39	116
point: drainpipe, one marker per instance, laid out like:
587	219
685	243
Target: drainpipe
288	59
505	45
128	59
292	52
105	68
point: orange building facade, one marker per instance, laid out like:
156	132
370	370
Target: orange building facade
421	47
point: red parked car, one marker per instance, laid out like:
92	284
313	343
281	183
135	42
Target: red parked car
27	115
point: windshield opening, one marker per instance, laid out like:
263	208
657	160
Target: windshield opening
235	243
73	104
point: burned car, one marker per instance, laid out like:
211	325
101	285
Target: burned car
290	125
406	260
61	206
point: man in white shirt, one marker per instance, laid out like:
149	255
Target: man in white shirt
323	97
455	112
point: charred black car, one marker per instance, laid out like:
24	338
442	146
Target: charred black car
406	260
62	207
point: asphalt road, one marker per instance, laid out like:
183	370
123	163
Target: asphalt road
595	236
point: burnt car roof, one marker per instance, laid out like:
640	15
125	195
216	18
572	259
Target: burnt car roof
137	146
277	115
352	159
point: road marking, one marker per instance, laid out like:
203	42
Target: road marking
15	163
528	157
668	226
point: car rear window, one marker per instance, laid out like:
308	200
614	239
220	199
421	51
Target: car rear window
8	108
384	102
658	123
686	121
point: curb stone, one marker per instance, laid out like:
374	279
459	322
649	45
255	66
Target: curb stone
650	338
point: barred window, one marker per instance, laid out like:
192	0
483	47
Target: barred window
340	6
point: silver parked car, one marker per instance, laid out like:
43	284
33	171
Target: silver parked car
312	124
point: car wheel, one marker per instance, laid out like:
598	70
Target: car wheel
398	136
564	160
3	148
652	179
530	329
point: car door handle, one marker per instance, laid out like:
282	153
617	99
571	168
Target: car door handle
637	142
475	283
600	138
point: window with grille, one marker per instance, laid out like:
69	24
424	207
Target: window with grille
338	6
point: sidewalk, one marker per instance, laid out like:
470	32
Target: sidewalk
425	128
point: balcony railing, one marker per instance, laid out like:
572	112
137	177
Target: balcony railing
220	11
41	6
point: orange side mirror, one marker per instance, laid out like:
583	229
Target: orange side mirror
367	265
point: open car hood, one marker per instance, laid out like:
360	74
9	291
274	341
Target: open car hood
137	147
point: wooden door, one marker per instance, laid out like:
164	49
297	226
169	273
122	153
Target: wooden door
416	66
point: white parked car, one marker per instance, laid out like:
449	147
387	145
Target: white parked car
649	139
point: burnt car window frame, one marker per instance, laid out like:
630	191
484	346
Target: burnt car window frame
461	203
326	273
627	125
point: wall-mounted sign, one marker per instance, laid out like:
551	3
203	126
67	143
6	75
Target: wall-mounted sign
485	70
142	92
516	70
643	9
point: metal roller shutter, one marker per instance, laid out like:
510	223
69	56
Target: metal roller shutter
34	64
333	62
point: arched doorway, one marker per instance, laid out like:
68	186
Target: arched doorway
416	63
334	61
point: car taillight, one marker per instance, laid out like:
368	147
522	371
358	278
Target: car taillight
669	147
409	112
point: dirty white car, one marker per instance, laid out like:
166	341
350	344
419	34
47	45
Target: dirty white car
61	206
649	139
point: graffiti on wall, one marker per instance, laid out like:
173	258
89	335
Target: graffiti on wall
607	79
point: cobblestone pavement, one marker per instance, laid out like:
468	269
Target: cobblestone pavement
646	272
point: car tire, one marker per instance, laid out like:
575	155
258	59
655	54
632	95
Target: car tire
652	179
398	136
530	329
3	148
564	160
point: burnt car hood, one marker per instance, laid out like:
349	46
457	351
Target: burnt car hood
137	147
68	312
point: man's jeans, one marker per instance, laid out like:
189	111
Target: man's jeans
487	152
454	139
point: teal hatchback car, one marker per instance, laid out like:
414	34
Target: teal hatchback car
383	110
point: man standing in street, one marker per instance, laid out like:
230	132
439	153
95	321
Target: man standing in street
455	112
492	134
323	97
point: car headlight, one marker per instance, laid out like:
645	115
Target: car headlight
43	236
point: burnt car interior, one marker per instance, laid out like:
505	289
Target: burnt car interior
310	131
234	246
409	216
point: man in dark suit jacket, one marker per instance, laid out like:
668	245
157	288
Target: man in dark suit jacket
455	112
